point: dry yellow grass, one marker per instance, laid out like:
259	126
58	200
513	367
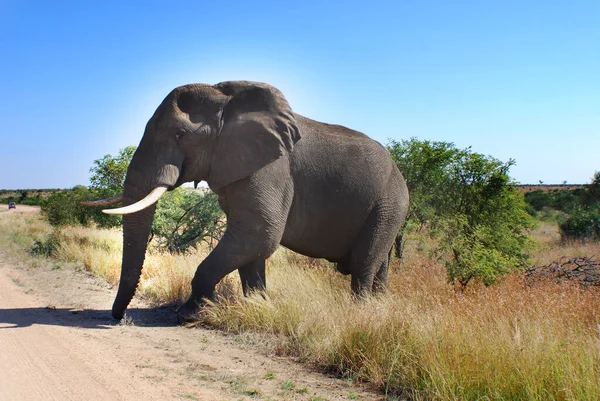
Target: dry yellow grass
424	338
429	340
20	231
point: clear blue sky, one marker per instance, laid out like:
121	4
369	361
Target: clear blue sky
512	79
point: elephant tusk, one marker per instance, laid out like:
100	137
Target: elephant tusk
104	202
151	198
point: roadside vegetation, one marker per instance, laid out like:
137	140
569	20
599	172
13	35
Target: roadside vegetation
460	322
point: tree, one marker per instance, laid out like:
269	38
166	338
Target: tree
469	204
107	178
424	165
109	172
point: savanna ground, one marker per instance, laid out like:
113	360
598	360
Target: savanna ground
424	340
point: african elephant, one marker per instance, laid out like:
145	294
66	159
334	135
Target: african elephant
321	190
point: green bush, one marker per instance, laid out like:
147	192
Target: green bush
583	219
582	224
539	199
469	204
64	208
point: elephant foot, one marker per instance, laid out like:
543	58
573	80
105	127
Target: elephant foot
189	312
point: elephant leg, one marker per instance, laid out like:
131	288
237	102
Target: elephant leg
235	250
371	251
381	277
253	277
255	225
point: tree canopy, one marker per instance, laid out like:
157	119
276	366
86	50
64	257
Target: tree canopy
109	172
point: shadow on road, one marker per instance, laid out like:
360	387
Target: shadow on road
88	319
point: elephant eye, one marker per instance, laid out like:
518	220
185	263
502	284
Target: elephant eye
179	135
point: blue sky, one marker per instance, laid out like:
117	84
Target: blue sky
512	79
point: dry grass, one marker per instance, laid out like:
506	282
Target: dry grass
165	278
20	231
424	339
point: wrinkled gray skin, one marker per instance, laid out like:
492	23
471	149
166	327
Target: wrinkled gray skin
321	190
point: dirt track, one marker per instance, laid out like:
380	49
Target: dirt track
58	342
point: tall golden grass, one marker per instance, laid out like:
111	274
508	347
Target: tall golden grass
424	339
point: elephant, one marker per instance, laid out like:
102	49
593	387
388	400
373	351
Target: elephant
322	190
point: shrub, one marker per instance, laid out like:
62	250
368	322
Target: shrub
583	223
469	204
539	199
186	217
64	208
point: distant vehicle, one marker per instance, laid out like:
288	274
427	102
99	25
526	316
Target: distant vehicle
12	205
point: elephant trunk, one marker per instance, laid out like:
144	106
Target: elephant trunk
136	230
149	169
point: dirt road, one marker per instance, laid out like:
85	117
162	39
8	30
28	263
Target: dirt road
58	342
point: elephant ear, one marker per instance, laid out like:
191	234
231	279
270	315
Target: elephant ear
258	127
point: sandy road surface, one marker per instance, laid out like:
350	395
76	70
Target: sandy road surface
51	360
58	342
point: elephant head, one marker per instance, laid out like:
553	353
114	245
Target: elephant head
219	134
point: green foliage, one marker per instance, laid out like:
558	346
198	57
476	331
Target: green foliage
185	217
469	204
563	200
577	211
424	165
583	224
591	195
107	178
109	172
567	201
539	199
64	208
106	181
